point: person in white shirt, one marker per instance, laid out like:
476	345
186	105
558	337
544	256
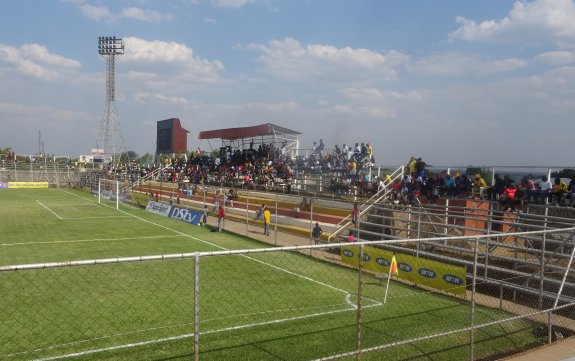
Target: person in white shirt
544	187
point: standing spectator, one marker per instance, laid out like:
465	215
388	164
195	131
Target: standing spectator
267	220
355	214
411	165
420	167
221	215
260	211
316	232
216	201
320	148
204	216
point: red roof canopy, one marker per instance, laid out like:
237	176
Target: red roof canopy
245	132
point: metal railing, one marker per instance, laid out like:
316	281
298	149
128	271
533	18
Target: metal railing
217	305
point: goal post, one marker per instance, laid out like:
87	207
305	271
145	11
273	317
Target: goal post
110	190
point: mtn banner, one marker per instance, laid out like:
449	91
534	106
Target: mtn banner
421	271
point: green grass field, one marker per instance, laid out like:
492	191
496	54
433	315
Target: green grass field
253	306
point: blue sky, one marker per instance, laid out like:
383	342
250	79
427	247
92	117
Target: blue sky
456	82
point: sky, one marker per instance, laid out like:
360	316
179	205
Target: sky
456	82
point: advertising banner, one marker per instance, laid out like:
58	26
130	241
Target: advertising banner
140	199
420	271
186	215
159	208
32	185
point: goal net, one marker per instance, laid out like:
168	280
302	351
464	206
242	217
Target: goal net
110	190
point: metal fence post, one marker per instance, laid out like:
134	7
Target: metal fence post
473	284
359	293
542	264
276	223
197	307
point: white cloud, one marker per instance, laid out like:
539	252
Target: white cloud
156	51
454	64
41	54
182	63
144	15
373	95
98	13
95	12
289	60
146	98
36	61
556	58
231	3
528	22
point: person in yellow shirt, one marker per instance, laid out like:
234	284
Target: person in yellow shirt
479	185
558	191
267	220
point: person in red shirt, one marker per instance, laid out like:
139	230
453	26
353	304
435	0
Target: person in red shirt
221	214
355	215
508	197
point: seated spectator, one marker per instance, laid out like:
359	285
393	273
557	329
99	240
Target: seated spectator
558	191
496	189
508	197
528	189
449	186
543	189
305	206
571	192
479	186
463	185
351	236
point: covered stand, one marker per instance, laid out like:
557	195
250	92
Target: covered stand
240	138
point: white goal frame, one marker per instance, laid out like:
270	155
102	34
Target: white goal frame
115	187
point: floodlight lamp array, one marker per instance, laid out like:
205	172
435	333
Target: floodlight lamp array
110	45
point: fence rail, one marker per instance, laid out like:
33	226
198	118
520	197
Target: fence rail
289	303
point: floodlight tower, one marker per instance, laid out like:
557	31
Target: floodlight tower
110	137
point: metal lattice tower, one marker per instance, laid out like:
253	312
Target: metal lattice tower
110	137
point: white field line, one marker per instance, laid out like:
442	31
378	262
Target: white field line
51	211
223	248
103	217
187	324
188	335
85	240
112	348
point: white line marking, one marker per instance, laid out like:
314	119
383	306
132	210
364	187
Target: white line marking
188	335
103	217
43	205
86	240
112	348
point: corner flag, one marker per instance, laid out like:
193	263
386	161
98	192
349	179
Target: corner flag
393	267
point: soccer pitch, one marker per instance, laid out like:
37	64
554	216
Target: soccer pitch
251	305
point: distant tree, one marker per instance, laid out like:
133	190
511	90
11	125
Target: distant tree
146	158
127	157
565	173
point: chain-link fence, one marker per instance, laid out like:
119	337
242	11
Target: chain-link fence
320	302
